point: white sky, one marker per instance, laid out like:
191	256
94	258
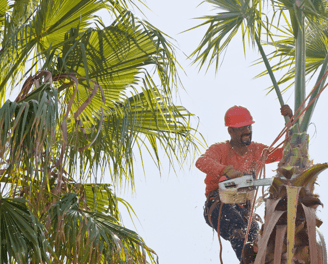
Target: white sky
169	206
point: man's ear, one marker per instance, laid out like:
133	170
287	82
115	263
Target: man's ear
230	130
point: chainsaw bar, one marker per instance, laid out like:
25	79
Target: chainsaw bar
244	182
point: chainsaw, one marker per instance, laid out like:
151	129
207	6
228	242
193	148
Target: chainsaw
240	190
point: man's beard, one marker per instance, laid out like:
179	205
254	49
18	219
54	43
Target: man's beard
248	142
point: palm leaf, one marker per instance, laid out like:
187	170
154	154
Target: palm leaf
316	51
31	133
3	10
99	197
22	235
308	177
87	99
222	27
144	114
95	236
47	26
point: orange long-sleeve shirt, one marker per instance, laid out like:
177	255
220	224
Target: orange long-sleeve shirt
220	155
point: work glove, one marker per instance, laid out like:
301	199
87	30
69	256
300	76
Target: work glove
231	172
265	153
286	111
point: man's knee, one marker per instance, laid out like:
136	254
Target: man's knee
237	241
238	234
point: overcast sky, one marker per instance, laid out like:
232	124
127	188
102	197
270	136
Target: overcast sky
170	206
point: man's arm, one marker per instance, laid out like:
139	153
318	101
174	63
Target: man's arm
277	154
209	163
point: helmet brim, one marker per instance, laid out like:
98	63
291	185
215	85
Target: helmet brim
246	123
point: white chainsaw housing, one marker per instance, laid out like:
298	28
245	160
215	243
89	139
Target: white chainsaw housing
240	190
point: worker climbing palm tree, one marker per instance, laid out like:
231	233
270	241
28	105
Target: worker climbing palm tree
228	160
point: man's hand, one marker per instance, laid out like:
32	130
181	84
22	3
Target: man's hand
231	172
265	153
286	111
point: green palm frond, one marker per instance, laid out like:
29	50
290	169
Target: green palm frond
145	119
117	57
97	237
21	12
308	177
100	198
84	108
22	235
28	130
92	95
313	11
222	27
46	25
245	16
113	57
54	19
316	52
3	10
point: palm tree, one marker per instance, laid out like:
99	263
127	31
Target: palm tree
78	97
301	49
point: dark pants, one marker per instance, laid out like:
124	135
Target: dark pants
233	225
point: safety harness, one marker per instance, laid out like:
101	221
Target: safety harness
217	197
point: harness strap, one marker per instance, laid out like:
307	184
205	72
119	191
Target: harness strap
216	198
212	196
211	210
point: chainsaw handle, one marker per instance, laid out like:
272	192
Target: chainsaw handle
223	178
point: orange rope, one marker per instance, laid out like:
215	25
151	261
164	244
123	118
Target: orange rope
218	230
250	217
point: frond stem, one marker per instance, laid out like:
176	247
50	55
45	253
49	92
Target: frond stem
300	63
269	69
322	79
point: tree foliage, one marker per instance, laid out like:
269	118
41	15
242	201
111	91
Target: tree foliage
78	98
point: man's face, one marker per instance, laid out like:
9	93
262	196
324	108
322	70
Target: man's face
242	134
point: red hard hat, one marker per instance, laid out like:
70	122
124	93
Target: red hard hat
238	116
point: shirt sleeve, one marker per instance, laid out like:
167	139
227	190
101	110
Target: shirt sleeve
274	156
210	161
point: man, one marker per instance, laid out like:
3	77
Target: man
228	160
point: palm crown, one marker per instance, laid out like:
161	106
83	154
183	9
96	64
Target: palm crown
300	47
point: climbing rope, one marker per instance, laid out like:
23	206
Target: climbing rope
220	211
